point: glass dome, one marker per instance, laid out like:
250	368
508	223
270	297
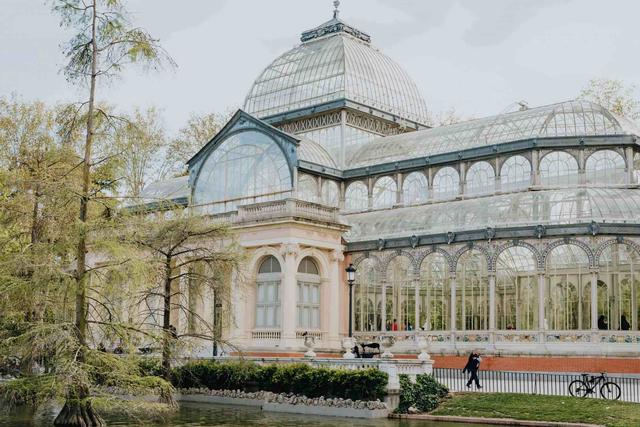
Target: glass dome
334	62
565	119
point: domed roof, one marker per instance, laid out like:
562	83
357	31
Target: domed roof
335	61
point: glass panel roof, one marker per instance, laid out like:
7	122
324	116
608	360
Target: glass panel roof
571	118
517	209
313	152
170	189
331	68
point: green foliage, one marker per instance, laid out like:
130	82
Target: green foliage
150	367
31	391
297	378
424	395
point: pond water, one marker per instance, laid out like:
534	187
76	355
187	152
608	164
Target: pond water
192	415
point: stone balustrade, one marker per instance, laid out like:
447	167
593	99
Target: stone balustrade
511	341
266	335
280	209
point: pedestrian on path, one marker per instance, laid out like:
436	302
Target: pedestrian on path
472	367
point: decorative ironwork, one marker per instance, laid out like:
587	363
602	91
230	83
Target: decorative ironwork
374	124
311	123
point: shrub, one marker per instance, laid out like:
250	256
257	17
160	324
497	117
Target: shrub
150	367
213	375
424	395
297	378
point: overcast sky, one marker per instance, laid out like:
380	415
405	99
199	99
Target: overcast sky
479	56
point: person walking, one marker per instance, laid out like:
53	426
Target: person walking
472	367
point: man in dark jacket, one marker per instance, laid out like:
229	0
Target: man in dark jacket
472	367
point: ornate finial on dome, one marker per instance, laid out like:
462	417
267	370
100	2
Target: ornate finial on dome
334	26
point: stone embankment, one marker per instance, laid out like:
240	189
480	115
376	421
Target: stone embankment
288	402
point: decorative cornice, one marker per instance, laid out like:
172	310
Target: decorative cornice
337	256
290	249
334	26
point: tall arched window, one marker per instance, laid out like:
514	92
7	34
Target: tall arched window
307	188
415	189
368	297
605	167
516	290
308	295
330	193
400	295
248	167
384	192
481	179
568	289
558	168
268	294
435	293
515	173
446	183
356	197
619	287
472	296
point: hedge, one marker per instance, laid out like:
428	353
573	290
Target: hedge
424	395
297	378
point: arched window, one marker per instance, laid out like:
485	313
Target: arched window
400	295
330	193
516	290
308	295
481	179
368	297
248	167
568	289
558	168
472	297
268	294
515	173
605	167
619	287
415	189
356	197
384	192
307	188
446	183
435	293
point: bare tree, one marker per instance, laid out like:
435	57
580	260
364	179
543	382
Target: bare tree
186	249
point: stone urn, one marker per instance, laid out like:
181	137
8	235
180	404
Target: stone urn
423	345
310	343
387	342
348	344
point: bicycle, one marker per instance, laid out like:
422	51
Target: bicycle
588	384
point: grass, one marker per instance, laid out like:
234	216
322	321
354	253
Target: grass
541	408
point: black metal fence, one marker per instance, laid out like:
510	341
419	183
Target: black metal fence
532	383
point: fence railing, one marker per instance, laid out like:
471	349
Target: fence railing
544	383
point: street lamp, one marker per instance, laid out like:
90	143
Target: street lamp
351	277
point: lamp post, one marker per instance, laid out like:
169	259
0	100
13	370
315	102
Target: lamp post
351	277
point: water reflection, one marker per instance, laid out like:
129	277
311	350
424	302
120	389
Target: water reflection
193	414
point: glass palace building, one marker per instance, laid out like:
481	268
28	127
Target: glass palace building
515	234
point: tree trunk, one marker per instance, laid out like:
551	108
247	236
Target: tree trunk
77	410
167	331
81	268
